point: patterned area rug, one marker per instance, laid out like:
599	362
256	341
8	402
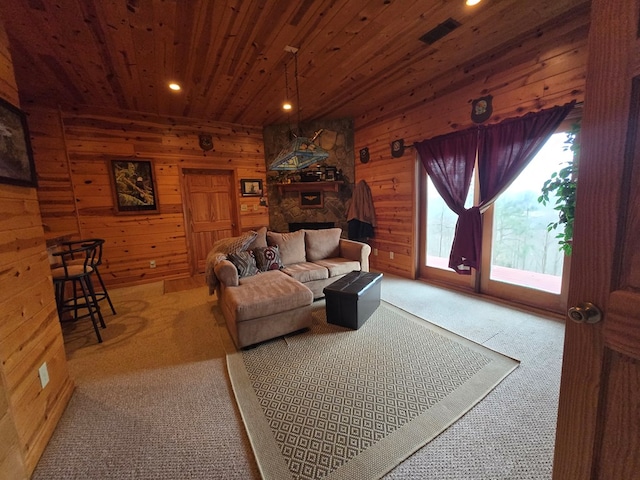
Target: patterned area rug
336	403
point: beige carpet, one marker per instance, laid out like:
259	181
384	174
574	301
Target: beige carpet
343	404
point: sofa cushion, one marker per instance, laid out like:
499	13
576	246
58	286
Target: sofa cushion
244	262
324	243
306	271
291	246
268	258
338	265
266	294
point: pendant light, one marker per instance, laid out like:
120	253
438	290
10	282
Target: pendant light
302	152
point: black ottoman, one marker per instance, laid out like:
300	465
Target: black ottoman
353	298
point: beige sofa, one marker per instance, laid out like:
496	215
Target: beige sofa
260	305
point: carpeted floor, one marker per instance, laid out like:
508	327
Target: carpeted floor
154	400
337	403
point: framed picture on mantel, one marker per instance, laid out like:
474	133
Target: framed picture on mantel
311	200
134	186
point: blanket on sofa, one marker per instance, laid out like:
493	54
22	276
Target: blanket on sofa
220	250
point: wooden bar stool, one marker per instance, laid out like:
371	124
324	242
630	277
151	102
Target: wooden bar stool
76	269
97	261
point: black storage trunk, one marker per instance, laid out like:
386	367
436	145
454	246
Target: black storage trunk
351	300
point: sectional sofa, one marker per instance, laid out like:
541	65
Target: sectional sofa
266	281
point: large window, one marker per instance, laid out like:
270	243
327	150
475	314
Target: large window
441	226
523	251
520	256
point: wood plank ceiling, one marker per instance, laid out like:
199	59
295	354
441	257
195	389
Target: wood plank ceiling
355	56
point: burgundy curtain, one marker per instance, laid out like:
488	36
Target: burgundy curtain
504	150
449	160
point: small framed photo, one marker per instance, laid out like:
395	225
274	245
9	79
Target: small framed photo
251	187
16	157
134	186
311	200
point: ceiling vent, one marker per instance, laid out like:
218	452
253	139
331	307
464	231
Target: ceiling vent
435	34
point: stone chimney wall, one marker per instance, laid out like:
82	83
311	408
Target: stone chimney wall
285	204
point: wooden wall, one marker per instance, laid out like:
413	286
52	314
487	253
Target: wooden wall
528	77
74	167
29	328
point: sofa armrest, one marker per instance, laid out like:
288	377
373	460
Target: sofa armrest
352	250
227	273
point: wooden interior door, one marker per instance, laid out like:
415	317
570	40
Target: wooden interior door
598	435
211	212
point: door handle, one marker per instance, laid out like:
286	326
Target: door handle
585	312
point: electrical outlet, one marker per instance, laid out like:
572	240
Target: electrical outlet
375	252
391	255
44	374
152	264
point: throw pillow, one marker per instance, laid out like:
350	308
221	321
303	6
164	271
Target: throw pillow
321	244
290	245
268	258
245	262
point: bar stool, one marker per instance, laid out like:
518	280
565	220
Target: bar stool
98	242
76	269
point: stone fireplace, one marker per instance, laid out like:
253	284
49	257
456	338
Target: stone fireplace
293	199
294	227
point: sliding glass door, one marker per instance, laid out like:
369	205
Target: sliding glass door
521	260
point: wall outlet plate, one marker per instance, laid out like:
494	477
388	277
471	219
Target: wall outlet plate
375	252
391	255
152	264
44	374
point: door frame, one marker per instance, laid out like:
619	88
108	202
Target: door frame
186	205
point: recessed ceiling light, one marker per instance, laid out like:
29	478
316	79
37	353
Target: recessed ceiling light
286	106
471	3
174	86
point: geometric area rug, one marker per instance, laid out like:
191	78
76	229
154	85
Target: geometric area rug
336	403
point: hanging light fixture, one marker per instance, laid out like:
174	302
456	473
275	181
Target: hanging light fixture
302	151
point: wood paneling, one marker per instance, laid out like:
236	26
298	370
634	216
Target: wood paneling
29	328
93	137
528	77
355	57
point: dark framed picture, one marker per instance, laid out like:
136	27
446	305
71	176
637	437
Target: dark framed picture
134	186
251	187
16	156
311	200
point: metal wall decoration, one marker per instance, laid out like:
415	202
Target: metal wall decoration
481	109
397	148
364	154
311	200
206	142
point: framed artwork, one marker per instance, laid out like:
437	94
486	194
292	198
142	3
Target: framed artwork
16	156
311	200
251	187
134	186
